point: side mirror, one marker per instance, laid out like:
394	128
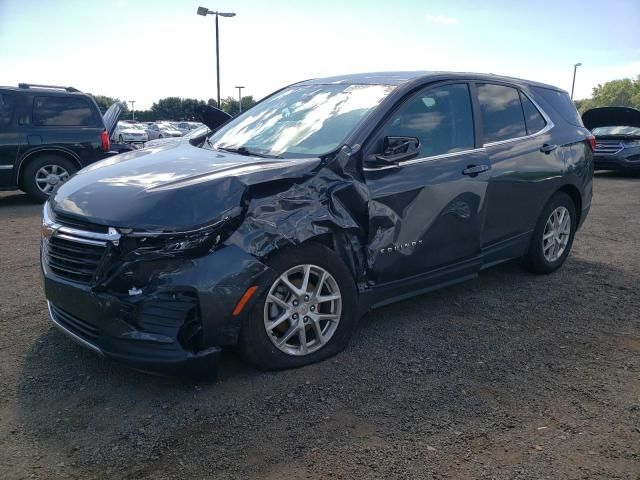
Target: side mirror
395	149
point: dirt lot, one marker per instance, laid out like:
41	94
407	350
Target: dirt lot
508	376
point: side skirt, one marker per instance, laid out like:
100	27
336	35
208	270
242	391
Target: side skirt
398	290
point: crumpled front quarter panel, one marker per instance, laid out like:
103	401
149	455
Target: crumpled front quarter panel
332	200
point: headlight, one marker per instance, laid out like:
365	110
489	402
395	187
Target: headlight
632	143
194	242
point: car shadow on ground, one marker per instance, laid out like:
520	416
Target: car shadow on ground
11	199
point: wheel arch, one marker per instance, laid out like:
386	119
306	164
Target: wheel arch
37	152
576	196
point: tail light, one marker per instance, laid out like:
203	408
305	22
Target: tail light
592	142
106	146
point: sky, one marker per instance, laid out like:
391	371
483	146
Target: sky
144	50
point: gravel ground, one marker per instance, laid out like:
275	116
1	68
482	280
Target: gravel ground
510	376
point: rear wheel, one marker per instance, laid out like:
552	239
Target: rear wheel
306	313
553	236
44	173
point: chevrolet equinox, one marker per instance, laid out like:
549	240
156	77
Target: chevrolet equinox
328	198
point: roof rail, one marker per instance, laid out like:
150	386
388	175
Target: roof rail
32	85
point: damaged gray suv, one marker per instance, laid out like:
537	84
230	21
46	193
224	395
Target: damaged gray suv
328	198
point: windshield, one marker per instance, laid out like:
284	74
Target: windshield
303	120
616	131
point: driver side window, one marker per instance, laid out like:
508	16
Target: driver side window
439	117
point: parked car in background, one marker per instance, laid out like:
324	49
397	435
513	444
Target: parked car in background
47	133
130	133
162	130
326	199
186	127
617	132
198	133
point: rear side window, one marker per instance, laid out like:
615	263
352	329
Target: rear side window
439	117
62	112
501	112
532	117
562	104
7	107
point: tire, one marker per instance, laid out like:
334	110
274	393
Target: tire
120	139
258	347
536	260
33	182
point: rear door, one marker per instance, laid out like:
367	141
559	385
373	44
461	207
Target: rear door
69	121
523	161
426	213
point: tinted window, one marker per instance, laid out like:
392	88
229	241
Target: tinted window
501	112
62	111
532	116
7	106
562	104
439	117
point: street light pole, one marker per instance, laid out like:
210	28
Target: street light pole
218	60
133	110
573	84
204	12
239	99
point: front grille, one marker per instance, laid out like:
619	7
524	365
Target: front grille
72	259
69	221
72	323
608	147
72	248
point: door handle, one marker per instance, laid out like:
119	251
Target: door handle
474	170
546	148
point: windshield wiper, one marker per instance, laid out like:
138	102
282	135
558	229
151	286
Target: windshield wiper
246	152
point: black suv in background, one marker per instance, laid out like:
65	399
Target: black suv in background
326	199
47	133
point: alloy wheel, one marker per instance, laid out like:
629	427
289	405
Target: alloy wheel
48	176
302	310
556	234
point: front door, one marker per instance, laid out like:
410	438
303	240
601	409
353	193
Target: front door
426	213
10	138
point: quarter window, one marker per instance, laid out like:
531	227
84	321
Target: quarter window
62	111
532	116
439	117
502	117
7	106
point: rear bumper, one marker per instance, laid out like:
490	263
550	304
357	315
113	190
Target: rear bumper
626	160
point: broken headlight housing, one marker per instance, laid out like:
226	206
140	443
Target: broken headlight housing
197	241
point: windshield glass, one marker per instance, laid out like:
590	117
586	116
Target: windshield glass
303	120
616	131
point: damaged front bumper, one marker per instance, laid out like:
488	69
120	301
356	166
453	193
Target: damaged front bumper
175	324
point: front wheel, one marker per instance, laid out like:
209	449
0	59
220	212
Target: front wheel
306	312
553	236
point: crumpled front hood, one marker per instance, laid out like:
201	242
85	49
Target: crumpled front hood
611	117
170	187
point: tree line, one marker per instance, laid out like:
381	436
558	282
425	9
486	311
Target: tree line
616	93
624	92
175	108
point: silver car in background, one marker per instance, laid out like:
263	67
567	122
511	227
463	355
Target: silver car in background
162	130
